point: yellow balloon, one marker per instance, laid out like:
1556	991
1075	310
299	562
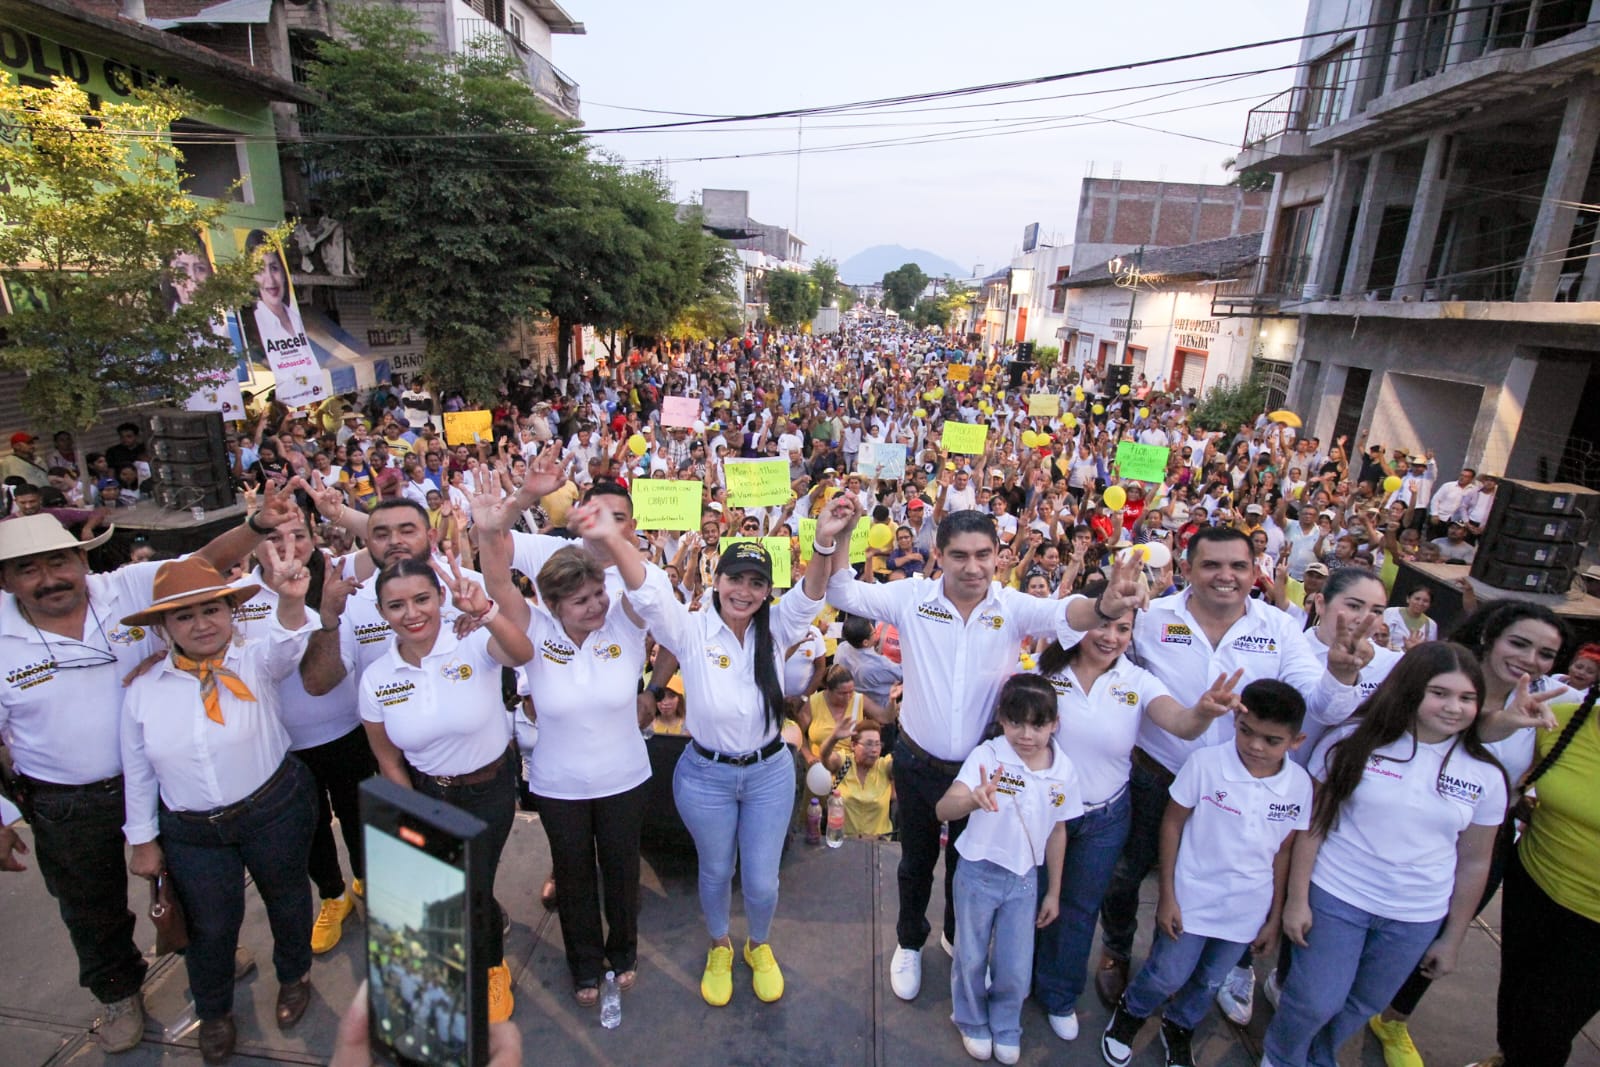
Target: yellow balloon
929	395
1099	409
1144	413
1391	483
1115	497
920	413
1070	419
636	444
938	394
1123	390
1077	395
880	537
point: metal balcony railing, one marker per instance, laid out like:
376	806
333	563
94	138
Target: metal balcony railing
1263	285
483	37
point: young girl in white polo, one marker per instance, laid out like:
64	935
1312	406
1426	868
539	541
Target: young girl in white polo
1019	789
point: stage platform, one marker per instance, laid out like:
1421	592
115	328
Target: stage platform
833	936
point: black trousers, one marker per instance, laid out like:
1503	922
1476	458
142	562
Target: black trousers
594	855
1549	973
77	839
495	802
338	768
918	785
1119	908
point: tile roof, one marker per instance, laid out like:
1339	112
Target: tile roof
1222	258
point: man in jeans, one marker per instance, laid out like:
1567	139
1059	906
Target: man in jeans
960	639
63	656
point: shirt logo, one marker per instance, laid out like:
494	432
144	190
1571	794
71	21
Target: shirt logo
1061	685
369	633
125	635
1375	766
1219	800
1460	789
991	620
32	674
1057	797
1120	695
251	612
934	613
456	672
611	651
558	652
394	693
1176	633
1263	645
1282	812
718	658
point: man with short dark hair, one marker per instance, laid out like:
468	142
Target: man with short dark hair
129	451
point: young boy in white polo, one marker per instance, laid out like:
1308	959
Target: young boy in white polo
1225	844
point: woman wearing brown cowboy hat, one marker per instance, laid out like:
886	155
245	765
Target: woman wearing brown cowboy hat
212	790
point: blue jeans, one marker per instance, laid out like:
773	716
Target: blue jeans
738	812
1119	907
992	902
1184	975
1061	950
207	860
1353	963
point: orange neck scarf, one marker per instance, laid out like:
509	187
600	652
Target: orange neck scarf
209	671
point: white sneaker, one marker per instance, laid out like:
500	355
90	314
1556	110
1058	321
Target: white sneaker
1237	996
905	974
979	1048
1065	1026
1007	1053
944	943
1271	989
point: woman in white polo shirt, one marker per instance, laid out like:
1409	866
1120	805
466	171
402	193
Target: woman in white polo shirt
433	707
207	768
734	797
589	773
1395	862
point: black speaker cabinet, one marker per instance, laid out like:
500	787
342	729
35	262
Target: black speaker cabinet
1553	580
189	455
1117	375
1535	536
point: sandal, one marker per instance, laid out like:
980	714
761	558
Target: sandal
587	996
626	979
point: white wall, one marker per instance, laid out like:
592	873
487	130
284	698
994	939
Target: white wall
1167	318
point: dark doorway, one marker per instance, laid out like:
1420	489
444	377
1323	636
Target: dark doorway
1386	254
1351	403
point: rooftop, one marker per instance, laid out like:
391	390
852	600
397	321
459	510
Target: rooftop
1222	258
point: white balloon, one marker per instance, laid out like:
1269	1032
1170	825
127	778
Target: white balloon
819	780
1157	555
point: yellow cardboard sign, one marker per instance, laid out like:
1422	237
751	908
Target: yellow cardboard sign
965	438
468	427
664	505
858	539
778	548
757	483
959	372
1046	404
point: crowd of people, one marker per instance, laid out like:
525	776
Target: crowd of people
1000	648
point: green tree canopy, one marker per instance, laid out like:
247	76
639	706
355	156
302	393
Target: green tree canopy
93	217
903	286
791	298
825	273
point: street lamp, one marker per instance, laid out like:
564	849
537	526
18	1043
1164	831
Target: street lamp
1130	282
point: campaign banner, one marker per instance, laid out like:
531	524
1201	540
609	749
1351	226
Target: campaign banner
680	411
881	459
964	438
664	505
1142	463
468	427
757	483
1044	404
280	329
959	372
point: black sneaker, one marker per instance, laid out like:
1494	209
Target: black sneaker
1176	1040
1116	1044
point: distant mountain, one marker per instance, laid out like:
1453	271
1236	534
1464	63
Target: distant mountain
865	268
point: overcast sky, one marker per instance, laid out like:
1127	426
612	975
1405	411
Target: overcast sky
968	199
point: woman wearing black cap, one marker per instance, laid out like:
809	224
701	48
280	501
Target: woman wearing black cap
734	797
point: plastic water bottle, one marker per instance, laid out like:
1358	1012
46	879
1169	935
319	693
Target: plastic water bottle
611	1002
944	836
814	822
835	820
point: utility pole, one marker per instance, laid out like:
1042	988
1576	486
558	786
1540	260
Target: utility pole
1129	281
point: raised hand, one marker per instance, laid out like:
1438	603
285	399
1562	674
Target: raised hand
281	572
491	512
1527	708
1125	588
594	522
1352	649
1220	698
278	507
986	792
543	478
467	594
336	590
839	517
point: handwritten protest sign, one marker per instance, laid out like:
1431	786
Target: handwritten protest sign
965	438
858	539
679	411
664	505
1142	463
959	372
778	549
468	427
757	483
1045	404
881	460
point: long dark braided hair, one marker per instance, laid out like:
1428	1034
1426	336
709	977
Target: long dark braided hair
1574	725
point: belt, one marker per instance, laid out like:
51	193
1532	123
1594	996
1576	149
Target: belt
1100	805
233	811
771	748
1150	765
486	773
943	766
41	788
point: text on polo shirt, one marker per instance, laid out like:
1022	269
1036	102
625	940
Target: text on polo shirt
718	658
1460	789
368	633
935	613
1219	800
1176	633
1265	645
1277	812
31	674
125	635
254	611
991	620
456	672
558	652
393	693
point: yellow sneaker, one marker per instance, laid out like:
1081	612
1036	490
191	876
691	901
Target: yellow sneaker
500	999
357	887
767	980
330	923
1398	1051
716	985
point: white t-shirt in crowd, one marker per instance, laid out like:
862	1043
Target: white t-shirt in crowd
446	714
1101	726
1030	804
801	663
311	721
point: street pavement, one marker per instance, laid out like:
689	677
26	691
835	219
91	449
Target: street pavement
833	935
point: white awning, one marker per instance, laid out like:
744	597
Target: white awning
230	12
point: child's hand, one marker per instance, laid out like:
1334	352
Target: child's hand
1049	911
1265	945
984	795
1169	918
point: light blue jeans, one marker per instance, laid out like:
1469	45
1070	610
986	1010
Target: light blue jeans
1183	975
992	902
736	812
1353	964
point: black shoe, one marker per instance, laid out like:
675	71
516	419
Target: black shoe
1116	1044
1176	1040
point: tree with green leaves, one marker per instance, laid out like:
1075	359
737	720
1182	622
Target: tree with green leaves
94	229
791	298
453	182
825	273
903	286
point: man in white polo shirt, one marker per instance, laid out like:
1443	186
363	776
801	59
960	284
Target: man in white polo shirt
63	655
1185	640
960	638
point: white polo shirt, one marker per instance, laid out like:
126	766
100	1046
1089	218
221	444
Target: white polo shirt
173	751
726	711
1030	804
1100	726
364	634
61	721
953	669
445	714
1224	872
1264	643
586	698
311	721
1393	851
1372	676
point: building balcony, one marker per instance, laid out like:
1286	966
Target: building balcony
1263	287
483	37
1276	134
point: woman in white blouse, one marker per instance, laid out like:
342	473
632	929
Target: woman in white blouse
207	769
735	798
589	772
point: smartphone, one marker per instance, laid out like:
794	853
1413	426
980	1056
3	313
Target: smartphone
428	906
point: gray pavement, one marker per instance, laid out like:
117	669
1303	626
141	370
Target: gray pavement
833	936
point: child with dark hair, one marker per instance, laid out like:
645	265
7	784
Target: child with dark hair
1017	791
1226	840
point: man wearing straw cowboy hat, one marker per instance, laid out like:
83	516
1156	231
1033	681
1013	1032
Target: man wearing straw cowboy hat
63	656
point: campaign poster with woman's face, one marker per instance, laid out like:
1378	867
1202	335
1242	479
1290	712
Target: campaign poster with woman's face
280	335
187	271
